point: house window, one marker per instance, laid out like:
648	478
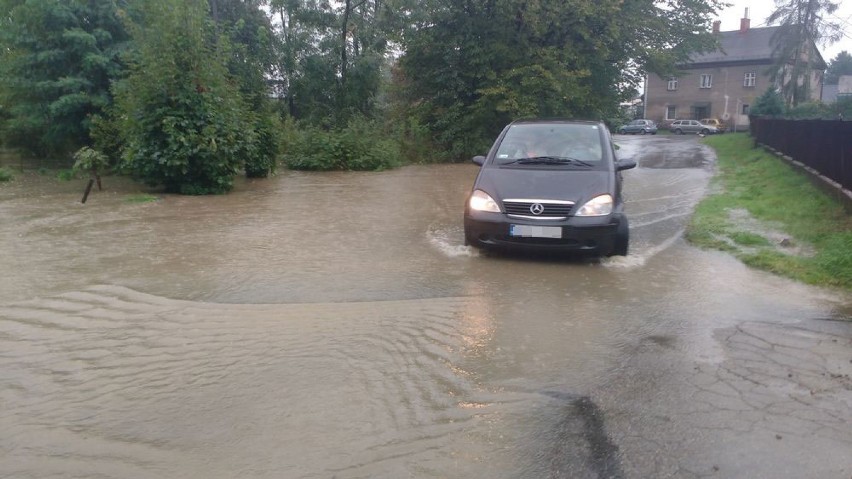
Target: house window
706	81
672	84
745	109
671	112
749	79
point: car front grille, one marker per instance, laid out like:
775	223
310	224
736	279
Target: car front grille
551	209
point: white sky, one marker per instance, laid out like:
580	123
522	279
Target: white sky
759	10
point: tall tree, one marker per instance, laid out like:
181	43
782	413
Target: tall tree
252	60
839	66
333	55
57	61
804	24
470	67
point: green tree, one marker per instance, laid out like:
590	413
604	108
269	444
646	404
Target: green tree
803	25
470	67
57	61
770	103
182	117
332	56
252	60
839	66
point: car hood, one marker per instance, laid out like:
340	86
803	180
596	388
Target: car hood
544	183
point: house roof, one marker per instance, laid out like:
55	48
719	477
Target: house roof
753	45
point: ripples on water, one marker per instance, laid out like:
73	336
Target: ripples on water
366	340
126	384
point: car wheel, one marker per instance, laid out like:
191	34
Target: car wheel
705	131
622	239
622	132
678	132
642	132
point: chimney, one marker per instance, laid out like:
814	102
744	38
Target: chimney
716	26
745	23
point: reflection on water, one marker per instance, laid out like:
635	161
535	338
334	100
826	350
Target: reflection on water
333	325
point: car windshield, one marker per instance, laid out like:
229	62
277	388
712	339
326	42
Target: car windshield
562	144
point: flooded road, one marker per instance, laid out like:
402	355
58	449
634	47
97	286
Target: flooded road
333	326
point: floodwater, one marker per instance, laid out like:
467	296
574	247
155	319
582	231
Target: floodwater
332	325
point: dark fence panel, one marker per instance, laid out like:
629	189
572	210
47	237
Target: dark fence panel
824	145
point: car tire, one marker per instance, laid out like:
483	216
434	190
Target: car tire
678	132
642	132
622	239
622	132
705	131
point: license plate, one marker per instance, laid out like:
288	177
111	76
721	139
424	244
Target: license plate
530	231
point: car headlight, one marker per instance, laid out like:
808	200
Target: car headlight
597	206
480	201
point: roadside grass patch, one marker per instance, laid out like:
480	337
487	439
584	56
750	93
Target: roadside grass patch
5	174
141	198
770	216
745	238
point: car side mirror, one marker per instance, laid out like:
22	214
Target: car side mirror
621	165
479	160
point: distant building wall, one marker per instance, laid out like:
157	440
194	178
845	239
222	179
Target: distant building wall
724	92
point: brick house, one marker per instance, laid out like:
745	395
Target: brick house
723	83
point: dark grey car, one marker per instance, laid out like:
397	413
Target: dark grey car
549	185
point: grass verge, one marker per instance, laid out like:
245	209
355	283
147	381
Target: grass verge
140	198
770	216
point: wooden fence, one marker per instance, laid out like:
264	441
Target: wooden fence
824	145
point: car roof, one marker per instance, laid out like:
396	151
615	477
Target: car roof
527	121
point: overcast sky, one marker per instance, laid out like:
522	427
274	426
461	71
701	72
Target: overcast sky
759	10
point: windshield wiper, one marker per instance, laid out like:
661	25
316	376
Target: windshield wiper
550	160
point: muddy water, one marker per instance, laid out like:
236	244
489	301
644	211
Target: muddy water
332	325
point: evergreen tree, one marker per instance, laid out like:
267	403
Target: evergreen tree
803	25
57	61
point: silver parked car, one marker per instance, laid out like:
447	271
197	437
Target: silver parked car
681	127
639	127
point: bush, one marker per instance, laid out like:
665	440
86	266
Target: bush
769	103
89	160
359	146
184	123
5	174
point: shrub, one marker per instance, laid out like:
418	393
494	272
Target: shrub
5	174
769	103
184	123
359	146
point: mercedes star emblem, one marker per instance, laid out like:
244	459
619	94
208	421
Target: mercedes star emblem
537	209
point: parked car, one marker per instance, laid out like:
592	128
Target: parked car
681	127
640	127
549	185
719	124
